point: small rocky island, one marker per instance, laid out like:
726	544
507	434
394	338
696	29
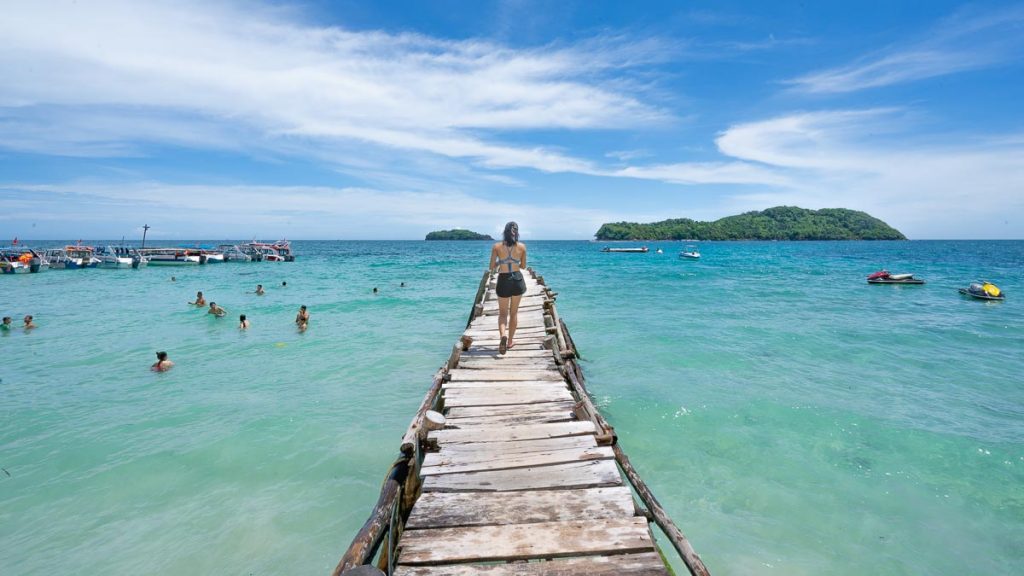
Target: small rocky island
779	223
457	234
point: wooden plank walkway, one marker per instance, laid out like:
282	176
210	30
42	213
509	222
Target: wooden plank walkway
516	477
519	474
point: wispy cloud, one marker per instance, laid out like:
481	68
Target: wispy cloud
255	70
968	40
875	160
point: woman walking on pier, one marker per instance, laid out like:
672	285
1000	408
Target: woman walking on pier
509	258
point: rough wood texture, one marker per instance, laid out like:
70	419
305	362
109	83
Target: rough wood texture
593	474
513	419
513	447
499	396
451	509
478	411
525	541
508	433
643	564
506	375
443	463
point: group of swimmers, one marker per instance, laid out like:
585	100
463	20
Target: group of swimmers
301	319
8	323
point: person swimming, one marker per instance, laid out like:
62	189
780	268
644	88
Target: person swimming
374	289
302	318
243	322
216	310
28	325
284	284
7	324
259	290
162	363
200	301
510	286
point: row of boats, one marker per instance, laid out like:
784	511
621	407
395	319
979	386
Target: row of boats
982	289
22	259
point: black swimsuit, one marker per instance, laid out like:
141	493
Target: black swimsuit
510	283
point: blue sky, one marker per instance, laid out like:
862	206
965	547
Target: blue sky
373	120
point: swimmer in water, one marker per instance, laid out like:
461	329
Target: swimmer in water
7	324
200	301
284	284
259	290
28	323
374	289
302	318
402	285
216	310
243	323
173	279
162	363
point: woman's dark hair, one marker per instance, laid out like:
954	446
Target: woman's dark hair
241	318
511	234
161	356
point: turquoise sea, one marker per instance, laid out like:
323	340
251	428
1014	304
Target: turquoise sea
793	419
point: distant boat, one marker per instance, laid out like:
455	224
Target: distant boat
72	257
21	260
983	290
170	257
110	258
885	277
690	253
279	251
639	250
233	253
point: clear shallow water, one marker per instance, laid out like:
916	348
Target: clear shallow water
792	418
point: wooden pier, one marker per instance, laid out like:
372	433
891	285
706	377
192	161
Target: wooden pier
521	476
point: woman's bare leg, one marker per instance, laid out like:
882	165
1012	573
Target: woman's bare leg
513	318
502	316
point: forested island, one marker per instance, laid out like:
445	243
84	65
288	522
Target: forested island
779	223
457	234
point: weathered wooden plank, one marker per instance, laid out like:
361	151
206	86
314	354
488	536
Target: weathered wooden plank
491	327
474	411
521	446
507	375
642	564
504	384
475	352
456	397
592	474
455	462
510	364
524	541
450	509
512	419
509	433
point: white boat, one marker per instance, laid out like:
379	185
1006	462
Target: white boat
690	253
170	257
279	251
110	258
233	253
640	250
21	260
72	257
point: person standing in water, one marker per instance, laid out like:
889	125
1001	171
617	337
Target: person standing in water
200	301
243	323
302	318
7	324
28	323
259	290
508	257
216	310
162	363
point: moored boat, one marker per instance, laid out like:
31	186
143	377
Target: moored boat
72	257
110	258
690	253
983	290
169	257
640	250
263	252
21	260
886	277
233	253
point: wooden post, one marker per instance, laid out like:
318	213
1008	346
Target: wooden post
369	537
453	358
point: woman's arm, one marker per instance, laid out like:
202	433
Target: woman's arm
490	262
522	261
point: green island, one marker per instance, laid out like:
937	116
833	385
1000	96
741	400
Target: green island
457	234
779	223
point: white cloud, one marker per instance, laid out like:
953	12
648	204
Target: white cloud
940	186
965	41
244	65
